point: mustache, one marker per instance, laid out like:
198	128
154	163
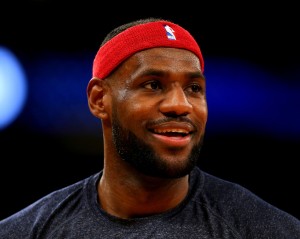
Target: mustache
179	119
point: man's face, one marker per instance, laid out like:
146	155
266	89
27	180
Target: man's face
159	111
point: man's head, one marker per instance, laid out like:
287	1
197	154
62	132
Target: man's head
149	93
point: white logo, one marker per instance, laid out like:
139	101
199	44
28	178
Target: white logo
170	33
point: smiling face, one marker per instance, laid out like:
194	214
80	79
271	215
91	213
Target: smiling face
157	111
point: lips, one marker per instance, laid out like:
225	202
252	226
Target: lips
173	134
183	128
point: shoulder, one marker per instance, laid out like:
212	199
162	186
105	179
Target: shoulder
52	207
242	209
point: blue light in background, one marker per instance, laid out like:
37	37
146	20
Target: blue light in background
13	87
242	97
57	103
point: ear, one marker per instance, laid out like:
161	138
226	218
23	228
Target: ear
95	93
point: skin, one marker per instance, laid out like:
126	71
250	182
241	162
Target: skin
155	99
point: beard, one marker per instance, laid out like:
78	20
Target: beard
144	159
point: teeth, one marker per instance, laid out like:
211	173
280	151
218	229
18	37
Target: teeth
181	131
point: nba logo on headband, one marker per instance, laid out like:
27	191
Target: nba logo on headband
170	33
141	37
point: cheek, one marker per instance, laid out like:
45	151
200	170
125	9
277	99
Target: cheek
202	111
137	110
132	110
121	95
201	114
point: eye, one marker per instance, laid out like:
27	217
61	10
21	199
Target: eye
195	88
153	85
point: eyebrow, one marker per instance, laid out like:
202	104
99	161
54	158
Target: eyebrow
155	72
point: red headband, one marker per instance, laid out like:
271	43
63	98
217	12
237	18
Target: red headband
141	37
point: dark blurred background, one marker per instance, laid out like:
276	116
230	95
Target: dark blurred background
49	139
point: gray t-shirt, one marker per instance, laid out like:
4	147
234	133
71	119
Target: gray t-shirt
213	208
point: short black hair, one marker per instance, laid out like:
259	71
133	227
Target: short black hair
125	26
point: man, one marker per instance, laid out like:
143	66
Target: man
148	89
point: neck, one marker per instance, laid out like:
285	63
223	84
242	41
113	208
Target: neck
131	194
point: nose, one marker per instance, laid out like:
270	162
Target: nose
175	103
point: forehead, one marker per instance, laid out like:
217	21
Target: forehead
161	60
163	57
